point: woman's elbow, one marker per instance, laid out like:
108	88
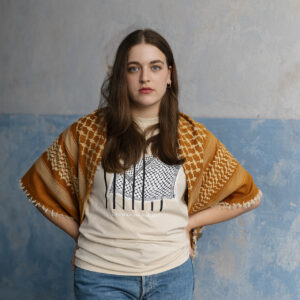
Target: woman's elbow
255	204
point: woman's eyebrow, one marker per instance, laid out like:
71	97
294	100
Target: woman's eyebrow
151	62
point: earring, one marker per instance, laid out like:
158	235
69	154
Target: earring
168	85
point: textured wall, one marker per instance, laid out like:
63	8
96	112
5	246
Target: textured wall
235	58
255	256
239	71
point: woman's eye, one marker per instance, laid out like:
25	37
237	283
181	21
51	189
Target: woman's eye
156	68
132	69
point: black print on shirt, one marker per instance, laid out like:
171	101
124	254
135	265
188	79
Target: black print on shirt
149	180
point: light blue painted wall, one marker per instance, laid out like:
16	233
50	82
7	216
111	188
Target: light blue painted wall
252	257
239	70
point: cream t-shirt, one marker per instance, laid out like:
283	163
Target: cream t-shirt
134	223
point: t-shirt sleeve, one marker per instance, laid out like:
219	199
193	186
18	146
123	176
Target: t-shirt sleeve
224	180
51	182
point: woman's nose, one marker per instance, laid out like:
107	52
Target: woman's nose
144	77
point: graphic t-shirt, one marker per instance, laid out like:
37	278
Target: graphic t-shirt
134	222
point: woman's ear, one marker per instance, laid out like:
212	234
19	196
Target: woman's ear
169	72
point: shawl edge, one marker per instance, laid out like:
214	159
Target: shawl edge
246	204
196	234
47	210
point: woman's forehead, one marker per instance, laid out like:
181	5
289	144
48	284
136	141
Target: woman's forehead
145	53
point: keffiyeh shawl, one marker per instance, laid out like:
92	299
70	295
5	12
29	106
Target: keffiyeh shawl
60	180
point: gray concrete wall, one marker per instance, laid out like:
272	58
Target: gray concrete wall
235	58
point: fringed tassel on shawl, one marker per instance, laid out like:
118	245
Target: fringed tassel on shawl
37	204
196	234
247	204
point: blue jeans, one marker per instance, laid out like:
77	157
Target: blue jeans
174	284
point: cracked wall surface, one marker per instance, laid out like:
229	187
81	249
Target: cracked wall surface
239	73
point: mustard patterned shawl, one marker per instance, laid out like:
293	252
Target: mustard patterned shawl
60	180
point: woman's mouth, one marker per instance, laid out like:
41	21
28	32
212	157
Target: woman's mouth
145	90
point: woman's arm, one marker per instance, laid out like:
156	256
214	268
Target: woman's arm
215	215
68	225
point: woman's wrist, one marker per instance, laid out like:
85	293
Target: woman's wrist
76	238
191	225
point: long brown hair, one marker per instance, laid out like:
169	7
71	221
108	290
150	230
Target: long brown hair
125	140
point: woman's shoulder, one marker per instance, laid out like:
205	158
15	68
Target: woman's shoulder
186	122
89	122
87	127
189	128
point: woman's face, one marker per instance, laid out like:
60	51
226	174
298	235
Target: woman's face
146	68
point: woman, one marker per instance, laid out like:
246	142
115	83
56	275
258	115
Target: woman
135	181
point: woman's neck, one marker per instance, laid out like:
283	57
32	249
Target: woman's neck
144	113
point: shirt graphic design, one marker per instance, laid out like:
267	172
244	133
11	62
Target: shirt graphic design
149	180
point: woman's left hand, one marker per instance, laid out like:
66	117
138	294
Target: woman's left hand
187	230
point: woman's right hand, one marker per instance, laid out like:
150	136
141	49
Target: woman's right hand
191	251
73	258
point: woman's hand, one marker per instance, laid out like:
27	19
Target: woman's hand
73	257
187	230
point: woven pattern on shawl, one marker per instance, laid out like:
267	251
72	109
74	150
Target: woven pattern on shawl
92	136
215	176
60	163
191	136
